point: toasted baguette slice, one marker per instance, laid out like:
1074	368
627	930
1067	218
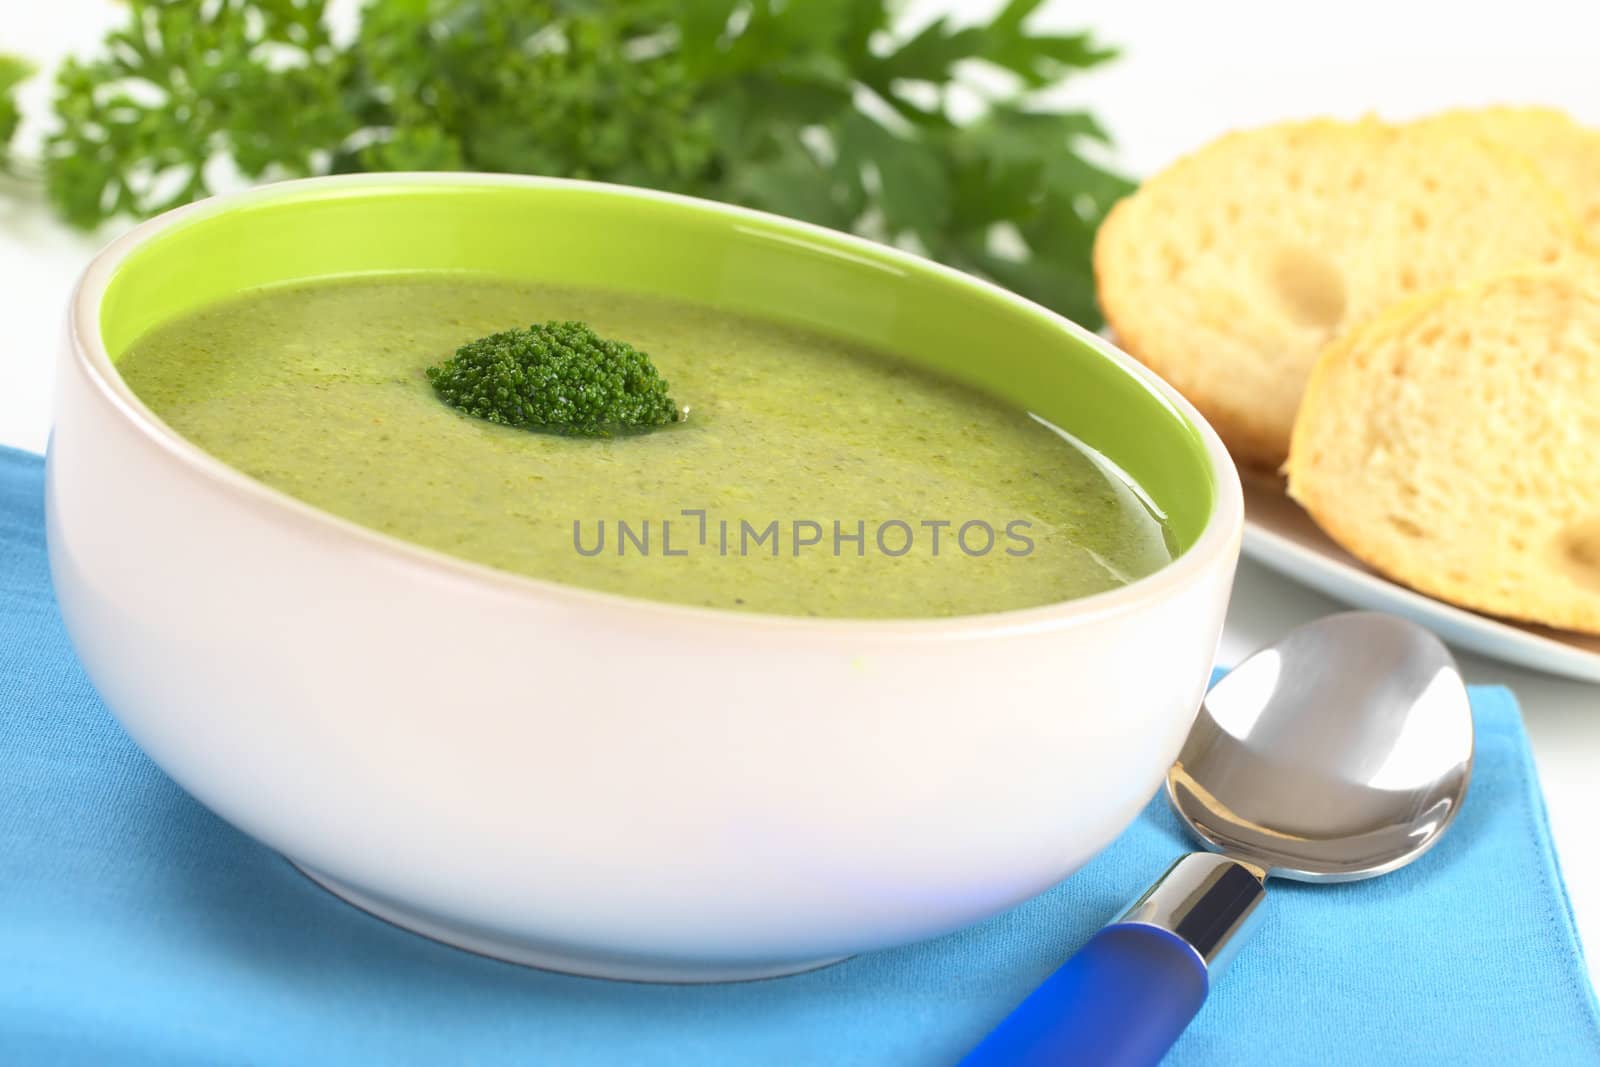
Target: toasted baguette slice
1229	272
1567	154
1454	445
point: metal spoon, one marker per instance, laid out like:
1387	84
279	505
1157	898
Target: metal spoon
1341	752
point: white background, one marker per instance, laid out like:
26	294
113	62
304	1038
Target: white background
1189	72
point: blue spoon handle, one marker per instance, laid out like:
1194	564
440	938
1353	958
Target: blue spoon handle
1128	994
1120	1002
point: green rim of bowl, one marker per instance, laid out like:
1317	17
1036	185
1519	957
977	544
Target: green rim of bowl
586	234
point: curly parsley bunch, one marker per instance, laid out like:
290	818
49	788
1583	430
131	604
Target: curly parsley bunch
821	109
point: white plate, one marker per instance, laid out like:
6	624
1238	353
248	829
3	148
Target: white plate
1279	535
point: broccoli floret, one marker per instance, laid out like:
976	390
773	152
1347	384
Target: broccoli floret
560	378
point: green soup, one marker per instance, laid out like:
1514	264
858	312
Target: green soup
810	477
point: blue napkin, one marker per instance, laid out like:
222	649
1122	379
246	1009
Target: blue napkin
136	927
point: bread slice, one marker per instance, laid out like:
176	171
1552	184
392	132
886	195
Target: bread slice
1230	271
1454	445
1567	154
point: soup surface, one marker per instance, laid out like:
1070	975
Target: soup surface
810	477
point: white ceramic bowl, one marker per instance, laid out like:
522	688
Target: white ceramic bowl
572	779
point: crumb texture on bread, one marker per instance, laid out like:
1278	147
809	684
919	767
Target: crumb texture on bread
1454	445
1229	272
1566	153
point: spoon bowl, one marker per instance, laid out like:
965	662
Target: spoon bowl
1342	752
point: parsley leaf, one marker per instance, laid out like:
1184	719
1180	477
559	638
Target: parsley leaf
183	86
13	72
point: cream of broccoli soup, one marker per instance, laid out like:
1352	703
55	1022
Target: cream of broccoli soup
808	476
